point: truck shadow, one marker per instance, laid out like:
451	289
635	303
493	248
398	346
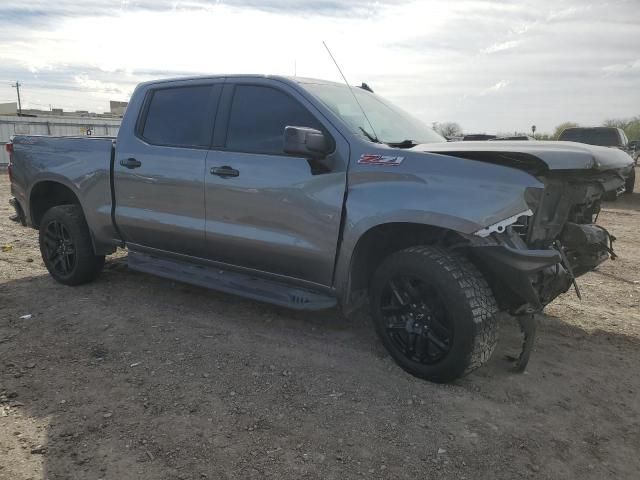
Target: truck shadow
624	202
139	377
627	201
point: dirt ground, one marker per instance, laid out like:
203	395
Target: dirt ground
136	377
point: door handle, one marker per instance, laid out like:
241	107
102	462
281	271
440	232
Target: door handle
131	163
224	171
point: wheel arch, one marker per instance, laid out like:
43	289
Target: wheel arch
376	244
46	194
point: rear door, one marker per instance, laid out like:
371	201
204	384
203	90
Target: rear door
159	170
267	210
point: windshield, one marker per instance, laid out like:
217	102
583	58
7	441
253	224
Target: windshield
606	137
390	124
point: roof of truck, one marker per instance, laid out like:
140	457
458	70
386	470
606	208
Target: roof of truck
286	79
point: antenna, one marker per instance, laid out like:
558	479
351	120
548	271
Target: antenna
375	136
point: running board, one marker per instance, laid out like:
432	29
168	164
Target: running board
242	284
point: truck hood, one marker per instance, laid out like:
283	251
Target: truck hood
535	155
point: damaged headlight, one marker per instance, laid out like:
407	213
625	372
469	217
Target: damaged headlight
500	227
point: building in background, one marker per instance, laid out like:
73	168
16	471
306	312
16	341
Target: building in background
117	108
10	108
56	122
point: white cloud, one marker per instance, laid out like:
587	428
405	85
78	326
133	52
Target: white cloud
626	67
489	65
494	88
498	47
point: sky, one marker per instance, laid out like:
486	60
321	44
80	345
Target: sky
491	66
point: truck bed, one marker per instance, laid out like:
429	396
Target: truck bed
82	164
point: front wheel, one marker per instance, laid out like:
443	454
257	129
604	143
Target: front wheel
66	247
631	182
434	312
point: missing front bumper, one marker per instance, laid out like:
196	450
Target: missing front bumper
520	271
525	280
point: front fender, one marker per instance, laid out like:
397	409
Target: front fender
436	190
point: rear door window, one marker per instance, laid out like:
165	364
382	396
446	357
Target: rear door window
180	116
258	117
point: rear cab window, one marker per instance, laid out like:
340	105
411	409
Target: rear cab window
606	137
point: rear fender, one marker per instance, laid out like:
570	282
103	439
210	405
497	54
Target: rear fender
93	221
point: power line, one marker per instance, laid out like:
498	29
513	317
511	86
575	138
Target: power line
17	87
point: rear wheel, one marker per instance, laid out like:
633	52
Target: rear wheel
66	247
434	312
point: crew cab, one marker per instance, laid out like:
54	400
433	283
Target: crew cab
310	194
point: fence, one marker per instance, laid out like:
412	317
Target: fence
53	125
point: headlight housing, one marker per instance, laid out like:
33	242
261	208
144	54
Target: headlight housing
501	226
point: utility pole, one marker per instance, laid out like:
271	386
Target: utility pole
17	87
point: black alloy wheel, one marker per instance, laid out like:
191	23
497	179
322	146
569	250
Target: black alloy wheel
434	312
60	251
66	246
416	319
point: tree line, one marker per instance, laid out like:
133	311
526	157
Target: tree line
631	127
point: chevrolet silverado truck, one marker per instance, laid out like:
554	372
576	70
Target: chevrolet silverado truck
310	194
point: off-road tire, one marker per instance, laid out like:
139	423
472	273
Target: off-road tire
86	265
631	181
467	299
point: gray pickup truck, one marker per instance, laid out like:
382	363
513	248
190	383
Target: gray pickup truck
612	137
310	194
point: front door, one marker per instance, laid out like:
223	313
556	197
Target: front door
267	210
159	171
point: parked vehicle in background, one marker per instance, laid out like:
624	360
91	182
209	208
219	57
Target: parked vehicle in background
513	137
475	137
611	137
291	191
635	150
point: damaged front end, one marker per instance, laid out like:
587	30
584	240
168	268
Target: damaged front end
533	257
540	253
537	254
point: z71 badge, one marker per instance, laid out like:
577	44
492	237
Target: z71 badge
371	159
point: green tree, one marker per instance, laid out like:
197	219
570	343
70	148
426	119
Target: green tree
563	126
543	136
631	126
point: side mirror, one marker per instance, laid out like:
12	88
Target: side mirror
306	142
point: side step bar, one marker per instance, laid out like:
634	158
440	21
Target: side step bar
237	283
